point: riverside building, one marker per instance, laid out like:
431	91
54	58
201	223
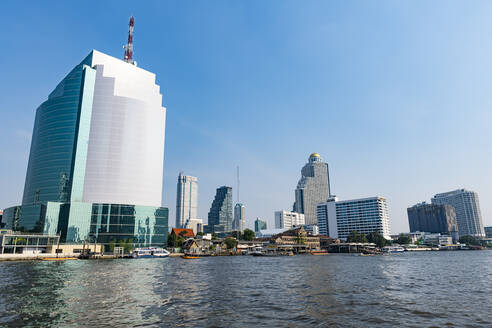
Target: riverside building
467	208
287	220
313	188
220	214
96	160
338	218
186	200
434	218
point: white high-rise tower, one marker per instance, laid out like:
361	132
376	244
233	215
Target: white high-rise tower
186	200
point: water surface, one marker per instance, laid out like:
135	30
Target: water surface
431	289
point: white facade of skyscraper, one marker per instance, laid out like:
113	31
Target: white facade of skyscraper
239	222
286	219
313	188
338	218
467	208
125	151
186	200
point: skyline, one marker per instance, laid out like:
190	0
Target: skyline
296	88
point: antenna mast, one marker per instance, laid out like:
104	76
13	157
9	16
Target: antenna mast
128	57
238	183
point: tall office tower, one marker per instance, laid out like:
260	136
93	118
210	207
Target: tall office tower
260	225
97	154
220	215
186	200
313	188
239	217
285	219
436	218
467	208
338	218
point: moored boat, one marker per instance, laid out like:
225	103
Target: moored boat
150	252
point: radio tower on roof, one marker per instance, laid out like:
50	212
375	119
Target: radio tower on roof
129	46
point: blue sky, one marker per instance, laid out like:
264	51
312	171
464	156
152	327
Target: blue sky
395	95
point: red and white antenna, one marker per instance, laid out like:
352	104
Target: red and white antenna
129	46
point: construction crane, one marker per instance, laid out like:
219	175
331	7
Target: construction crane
128	57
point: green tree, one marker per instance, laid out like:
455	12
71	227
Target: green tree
214	236
470	240
248	235
128	246
378	239
112	245
355	237
237	234
230	242
199	233
403	239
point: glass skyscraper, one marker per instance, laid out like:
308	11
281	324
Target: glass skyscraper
220	215
96	161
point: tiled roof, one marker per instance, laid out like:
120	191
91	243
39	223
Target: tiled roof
188	232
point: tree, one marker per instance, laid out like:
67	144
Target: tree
237	234
112	245
403	239
199	233
378	239
355	237
174	240
214	236
470	240
248	235
230	242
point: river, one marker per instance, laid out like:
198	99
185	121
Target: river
429	289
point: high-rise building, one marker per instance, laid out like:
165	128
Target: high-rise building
220	215
239	222
286	219
186	200
435	218
260	225
467	208
338	218
313	188
96	160
195	224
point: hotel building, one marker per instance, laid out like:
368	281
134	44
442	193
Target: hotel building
338	218
313	188
467	208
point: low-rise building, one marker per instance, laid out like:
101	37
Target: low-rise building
437	239
488	232
267	233
298	238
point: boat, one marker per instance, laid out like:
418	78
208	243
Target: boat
393	249
150	252
319	252
189	257
58	258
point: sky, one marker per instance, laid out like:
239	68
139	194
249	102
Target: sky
394	95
